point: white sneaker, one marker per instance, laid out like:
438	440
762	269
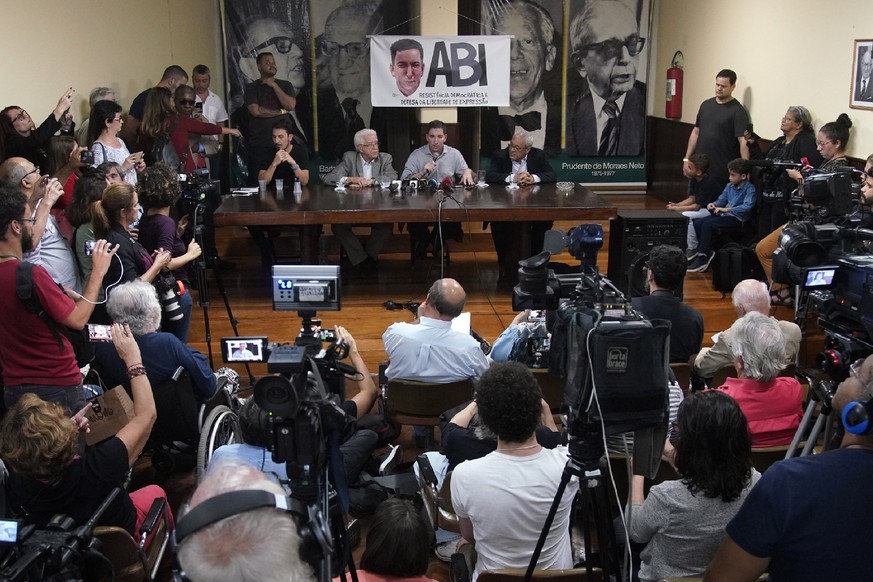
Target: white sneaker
444	550
391	460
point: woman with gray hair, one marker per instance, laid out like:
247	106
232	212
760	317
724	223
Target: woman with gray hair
796	143
772	403
136	304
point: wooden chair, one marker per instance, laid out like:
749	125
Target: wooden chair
438	503
682	371
132	561
421	403
552	387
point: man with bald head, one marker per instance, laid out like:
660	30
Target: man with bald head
608	118
428	349
864	87
534	92
51	250
809	518
749	295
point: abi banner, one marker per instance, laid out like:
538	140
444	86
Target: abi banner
430	71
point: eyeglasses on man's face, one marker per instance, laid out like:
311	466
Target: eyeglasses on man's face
355	50
611	48
283	45
24	219
35	170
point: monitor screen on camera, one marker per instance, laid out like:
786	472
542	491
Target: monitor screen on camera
244	349
820	277
306	288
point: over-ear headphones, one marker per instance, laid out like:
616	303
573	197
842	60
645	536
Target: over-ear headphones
857	417
226	505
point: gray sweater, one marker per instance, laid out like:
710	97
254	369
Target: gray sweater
683	531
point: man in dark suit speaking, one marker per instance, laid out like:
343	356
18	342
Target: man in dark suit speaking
864	86
608	118
523	166
366	167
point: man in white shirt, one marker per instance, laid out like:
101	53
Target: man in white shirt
212	108
503	498
428	349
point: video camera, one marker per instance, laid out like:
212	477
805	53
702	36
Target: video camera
614	360
824	196
822	259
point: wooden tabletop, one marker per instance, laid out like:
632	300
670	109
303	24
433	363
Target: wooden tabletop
324	205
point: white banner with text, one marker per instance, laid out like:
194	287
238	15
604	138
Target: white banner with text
435	71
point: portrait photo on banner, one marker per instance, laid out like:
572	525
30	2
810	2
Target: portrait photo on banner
861	92
535	73
439	71
606	78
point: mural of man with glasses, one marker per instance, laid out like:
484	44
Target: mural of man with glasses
608	118
345	106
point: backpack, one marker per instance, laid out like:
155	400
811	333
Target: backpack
24	289
733	263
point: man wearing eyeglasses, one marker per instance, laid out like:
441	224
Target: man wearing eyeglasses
346	106
366	167
268	100
534	88
524	165
719	131
608	118
50	250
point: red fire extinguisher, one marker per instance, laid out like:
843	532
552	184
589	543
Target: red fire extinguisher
674	87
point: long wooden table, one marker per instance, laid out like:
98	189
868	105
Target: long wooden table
319	204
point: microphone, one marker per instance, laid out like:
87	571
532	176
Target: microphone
775	164
432	185
446	184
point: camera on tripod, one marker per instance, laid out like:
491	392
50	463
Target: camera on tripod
821	196
596	334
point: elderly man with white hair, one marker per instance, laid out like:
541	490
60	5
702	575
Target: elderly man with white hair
136	304
749	295
259	544
772	403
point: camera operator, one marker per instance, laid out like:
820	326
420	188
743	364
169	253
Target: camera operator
358	443
796	143
831	142
159	190
808	518
867	184
261	544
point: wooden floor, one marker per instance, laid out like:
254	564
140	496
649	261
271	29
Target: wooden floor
473	264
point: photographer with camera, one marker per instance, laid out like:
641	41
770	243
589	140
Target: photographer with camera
159	190
20	137
831	142
135	304
808	518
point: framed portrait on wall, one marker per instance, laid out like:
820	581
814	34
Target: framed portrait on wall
861	95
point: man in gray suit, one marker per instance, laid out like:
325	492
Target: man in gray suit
365	167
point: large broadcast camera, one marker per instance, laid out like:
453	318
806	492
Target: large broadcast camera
614	360
824	261
302	398
824	197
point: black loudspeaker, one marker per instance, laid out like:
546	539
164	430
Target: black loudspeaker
632	234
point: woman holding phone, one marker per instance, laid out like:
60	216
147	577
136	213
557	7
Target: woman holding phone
103	129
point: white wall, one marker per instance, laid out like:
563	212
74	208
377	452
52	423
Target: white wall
784	52
48	45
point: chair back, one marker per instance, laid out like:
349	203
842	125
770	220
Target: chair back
177	410
122	551
421	403
552	388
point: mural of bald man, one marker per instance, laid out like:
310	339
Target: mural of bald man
534	89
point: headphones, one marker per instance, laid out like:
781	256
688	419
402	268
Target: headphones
857	417
221	507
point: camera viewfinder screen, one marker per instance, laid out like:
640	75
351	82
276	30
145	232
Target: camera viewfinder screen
243	349
820	277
